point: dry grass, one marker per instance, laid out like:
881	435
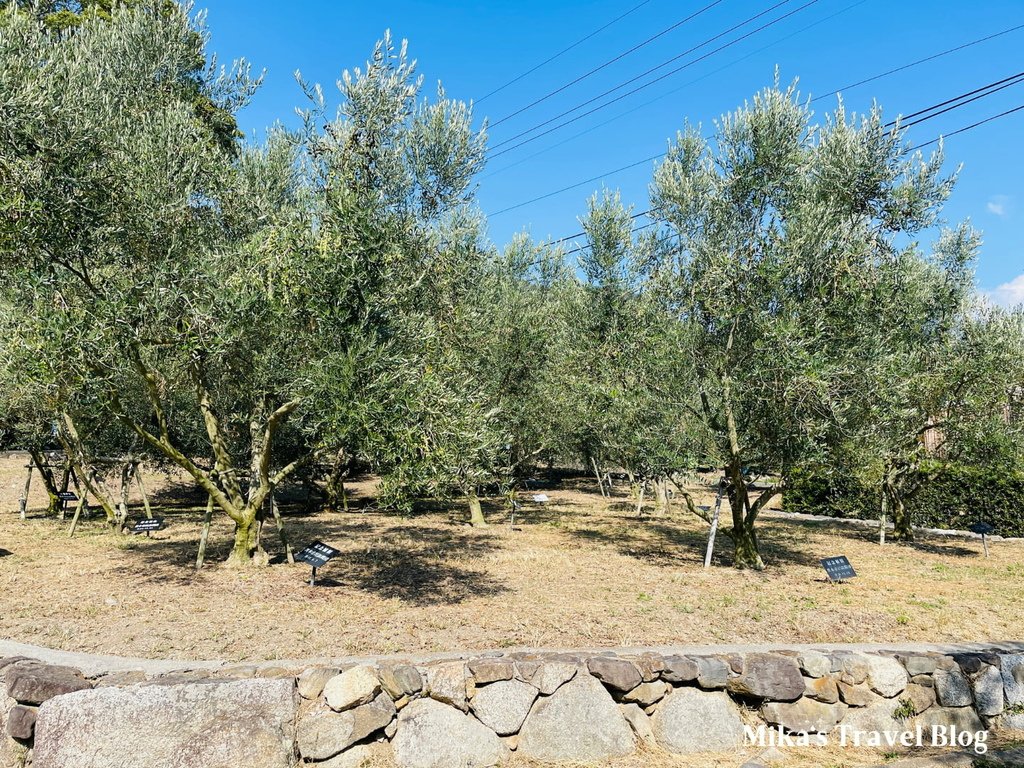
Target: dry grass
582	572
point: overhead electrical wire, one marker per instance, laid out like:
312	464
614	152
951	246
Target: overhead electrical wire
608	63
919	61
913	148
640	87
957	101
564	51
665	95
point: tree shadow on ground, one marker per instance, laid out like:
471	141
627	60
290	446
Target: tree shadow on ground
421	565
667	542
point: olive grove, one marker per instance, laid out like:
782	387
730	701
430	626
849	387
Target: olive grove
253	312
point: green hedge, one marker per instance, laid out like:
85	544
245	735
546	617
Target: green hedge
955	497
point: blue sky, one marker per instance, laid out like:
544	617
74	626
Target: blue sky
475	47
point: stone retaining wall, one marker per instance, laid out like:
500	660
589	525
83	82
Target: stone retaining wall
475	711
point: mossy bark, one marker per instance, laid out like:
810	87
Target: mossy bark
476	512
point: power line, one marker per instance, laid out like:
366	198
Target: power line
967	128
962	99
914	148
608	63
641	87
642	75
665	95
577	184
564	51
956	102
919	61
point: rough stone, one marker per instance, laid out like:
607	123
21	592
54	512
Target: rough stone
639	722
962	718
690	720
579	722
352	688
356	757
447	684
618	674
30	682
213	725
877	717
920	665
324	733
712	673
925	680
504	705
647	694
768	676
920	697
952	688
434	735
274	672
131	677
969	663
6	662
679	669
988	692
803	716
650	666
772	755
857	695
486	671
886	676
549	676
823	689
313	680
1013	678
814	664
21	722
1012	725
853	668
400	680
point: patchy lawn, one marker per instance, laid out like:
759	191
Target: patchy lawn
581	572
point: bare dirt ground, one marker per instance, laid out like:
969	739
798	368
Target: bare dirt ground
581	572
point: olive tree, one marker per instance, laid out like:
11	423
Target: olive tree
788	233
242	314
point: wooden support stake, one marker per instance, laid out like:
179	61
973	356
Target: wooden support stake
82	494
280	530
23	503
122	507
714	525
984	543
597	474
205	535
142	490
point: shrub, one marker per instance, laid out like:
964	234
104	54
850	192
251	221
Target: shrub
952	496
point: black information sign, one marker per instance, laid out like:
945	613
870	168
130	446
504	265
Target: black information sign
317	555
147	525
838	568
66	496
982	528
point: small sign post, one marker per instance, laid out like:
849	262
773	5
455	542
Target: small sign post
984	529
64	497
317	555
148	525
838	568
